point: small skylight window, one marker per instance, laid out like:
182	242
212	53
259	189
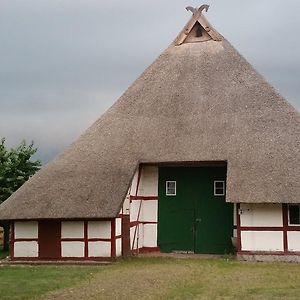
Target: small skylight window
170	188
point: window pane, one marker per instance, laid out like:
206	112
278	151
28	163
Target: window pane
294	215
170	187
219	184
219	188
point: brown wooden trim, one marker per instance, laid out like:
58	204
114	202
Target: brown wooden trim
64	219
292	228
37	259
148	222
113	238
275	228
149	249
26	240
285	226
126	235
143	198
238	227
296	253
261	228
98	240
86	241
72	239
122	216
136	223
89	240
216	163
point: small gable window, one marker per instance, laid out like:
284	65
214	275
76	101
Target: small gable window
197	34
170	188
294	214
219	188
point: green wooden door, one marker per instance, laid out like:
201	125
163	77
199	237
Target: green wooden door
194	219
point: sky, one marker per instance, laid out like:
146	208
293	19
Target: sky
64	62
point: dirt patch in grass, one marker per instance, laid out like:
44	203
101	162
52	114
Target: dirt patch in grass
167	278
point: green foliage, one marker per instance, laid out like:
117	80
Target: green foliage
16	167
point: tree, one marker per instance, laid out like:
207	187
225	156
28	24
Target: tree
16	167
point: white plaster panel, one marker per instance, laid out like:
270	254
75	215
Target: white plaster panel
26	249
134	210
26	230
99	249
150	235
118	247
118	226
132	230
261	215
262	240
72	229
99	229
149	181
150	211
140	235
293	240
126	206
234	233
72	249
134	183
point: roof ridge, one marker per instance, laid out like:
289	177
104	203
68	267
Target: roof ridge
197	17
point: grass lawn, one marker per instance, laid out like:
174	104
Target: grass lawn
154	278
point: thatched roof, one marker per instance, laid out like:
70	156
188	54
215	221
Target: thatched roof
199	101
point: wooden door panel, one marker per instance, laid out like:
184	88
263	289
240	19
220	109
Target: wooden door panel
194	219
49	239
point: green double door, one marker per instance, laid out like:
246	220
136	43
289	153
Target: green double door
192	213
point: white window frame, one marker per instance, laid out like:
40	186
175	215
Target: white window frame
215	188
169	181
288	211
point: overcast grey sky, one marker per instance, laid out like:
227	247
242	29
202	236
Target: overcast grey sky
64	62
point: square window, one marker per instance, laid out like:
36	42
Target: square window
294	214
219	188
170	188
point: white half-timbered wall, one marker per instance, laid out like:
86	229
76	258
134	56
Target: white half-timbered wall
143	196
262	229
78	239
26	235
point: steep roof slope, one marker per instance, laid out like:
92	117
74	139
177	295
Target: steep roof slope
199	101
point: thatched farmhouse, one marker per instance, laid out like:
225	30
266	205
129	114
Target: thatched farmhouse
199	153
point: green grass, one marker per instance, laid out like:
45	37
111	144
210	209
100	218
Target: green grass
28	282
154	278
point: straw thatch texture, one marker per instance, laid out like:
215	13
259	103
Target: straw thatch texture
196	102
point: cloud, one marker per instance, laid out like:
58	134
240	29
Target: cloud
63	62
